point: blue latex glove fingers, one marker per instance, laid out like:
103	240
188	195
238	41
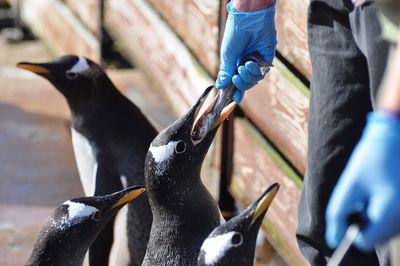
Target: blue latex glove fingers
242	85
238	96
248	75
246	72
381	210
245	33
371	180
341	205
245	75
254	69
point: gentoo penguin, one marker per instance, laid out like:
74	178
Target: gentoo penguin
110	137
184	212
70	230
234	242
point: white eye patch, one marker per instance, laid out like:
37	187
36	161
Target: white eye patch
214	248
162	154
77	212
80	66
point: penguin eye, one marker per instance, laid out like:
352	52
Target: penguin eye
71	75
237	239
96	216
180	147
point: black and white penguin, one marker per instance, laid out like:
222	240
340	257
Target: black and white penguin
184	212
234	242
110	137
72	228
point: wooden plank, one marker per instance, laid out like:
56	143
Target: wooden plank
136	88
62	32
88	11
257	166
279	107
291	26
148	41
197	23
32	93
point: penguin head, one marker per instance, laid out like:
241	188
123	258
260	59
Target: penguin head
78	78
91	213
174	155
234	242
74	225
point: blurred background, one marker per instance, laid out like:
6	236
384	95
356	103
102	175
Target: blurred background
162	54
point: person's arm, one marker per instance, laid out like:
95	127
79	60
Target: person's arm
250	27
370	183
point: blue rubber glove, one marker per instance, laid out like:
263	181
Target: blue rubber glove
245	33
370	183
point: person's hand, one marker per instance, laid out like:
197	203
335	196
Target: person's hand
370	184
245	33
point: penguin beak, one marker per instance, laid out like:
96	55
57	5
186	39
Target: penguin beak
263	203
209	115
128	195
34	67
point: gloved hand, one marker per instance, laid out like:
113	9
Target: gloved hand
246	32
370	183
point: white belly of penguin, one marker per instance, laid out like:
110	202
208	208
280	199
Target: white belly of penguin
86	162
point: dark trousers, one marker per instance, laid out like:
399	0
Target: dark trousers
348	58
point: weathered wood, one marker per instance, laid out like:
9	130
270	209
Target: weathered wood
148	41
28	90
134	86
88	11
33	94
279	107
257	166
196	22
62	31
291	26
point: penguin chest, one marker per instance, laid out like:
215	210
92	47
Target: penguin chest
85	160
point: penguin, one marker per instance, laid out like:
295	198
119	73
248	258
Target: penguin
110	138
234	242
184	212
73	226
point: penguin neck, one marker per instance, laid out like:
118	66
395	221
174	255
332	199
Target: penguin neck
167	195
48	251
89	107
181	222
82	122
99	95
91	121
